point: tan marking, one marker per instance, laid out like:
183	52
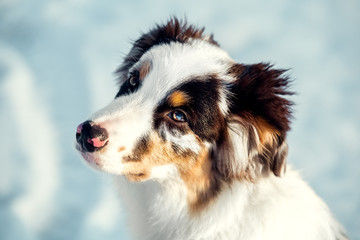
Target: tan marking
178	98
195	170
200	181
121	148
267	133
144	70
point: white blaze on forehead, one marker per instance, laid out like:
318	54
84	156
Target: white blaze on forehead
175	63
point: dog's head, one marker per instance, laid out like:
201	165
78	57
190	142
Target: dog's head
185	108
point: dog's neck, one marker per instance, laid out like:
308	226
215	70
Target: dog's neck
161	208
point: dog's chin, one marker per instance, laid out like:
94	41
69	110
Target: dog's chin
92	161
98	163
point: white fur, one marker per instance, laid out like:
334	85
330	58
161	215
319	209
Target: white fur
125	126
241	153
273	209
186	142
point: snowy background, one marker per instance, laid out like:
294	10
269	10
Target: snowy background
56	65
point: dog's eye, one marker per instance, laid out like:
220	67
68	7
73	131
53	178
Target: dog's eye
178	116
134	79
131	85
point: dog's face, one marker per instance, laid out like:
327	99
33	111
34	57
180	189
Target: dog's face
186	109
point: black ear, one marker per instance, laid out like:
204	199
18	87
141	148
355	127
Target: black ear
259	115
261	91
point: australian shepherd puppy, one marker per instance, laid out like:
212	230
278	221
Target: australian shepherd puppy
201	142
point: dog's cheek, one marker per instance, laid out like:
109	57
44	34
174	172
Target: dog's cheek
236	152
152	153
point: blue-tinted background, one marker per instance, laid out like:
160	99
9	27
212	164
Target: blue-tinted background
56	64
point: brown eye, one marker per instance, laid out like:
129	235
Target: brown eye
178	116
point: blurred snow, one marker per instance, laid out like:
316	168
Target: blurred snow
56	65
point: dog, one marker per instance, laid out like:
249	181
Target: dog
198	145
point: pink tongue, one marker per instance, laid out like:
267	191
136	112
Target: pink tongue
96	142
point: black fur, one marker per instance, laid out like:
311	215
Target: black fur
204	116
259	91
127	88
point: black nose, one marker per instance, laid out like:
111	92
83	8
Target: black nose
91	137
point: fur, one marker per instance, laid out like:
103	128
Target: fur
198	145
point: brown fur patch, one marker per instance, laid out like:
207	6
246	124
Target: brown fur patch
272	148
144	70
202	181
178	98
156	153
267	134
121	148
196	170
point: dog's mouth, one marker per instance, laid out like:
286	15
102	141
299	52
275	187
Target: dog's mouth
89	157
136	177
79	148
99	161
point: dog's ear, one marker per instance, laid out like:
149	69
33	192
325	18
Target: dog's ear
254	141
